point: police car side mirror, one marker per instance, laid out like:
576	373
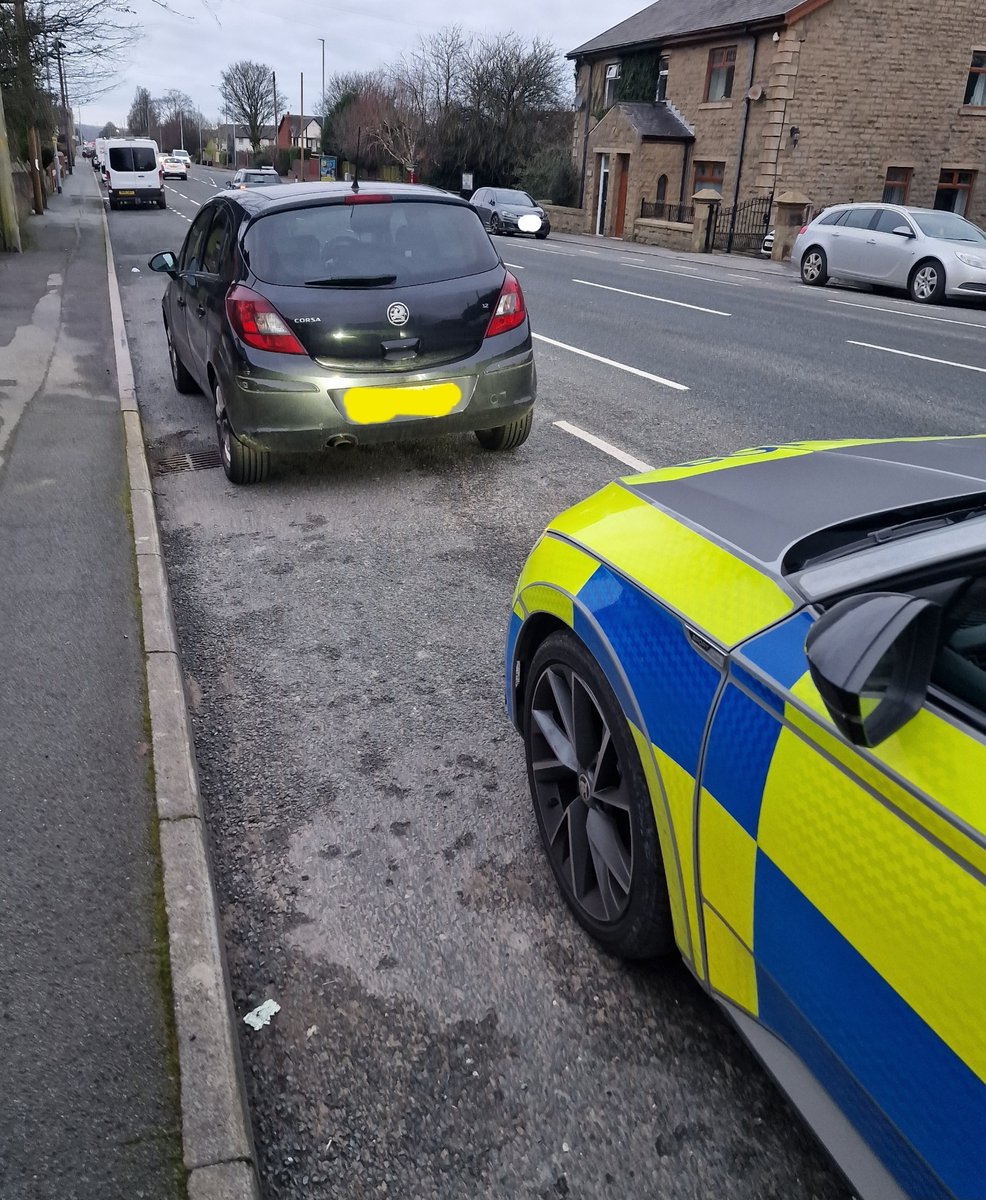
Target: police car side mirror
871	657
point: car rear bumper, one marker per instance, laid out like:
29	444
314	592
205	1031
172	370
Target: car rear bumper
289	407
134	194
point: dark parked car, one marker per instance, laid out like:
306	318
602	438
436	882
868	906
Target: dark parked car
319	315
506	210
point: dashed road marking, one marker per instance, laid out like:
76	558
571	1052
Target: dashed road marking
942	362
610	362
715	312
669	271
607	447
903	312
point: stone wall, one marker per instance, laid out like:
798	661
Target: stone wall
565	220
673	235
881	85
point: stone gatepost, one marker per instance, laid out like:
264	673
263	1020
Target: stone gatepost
789	211
705	202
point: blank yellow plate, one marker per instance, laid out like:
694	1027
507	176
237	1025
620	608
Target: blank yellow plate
372	405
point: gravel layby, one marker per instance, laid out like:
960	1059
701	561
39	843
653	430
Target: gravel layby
445	1028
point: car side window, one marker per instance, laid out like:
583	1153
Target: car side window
888	221
217	242
960	663
860	218
835	218
191	253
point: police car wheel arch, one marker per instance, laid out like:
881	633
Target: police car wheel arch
592	802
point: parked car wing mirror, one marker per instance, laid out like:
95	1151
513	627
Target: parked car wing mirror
871	657
903	231
164	261
229	183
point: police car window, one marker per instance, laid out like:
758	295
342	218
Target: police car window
960	663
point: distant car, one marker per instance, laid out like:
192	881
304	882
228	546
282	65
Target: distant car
752	696
929	253
173	168
767	245
317	316
253	177
506	210
185	157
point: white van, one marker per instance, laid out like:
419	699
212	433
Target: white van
99	153
132	172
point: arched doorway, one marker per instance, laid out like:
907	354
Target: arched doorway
662	195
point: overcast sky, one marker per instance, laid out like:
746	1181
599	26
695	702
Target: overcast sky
189	47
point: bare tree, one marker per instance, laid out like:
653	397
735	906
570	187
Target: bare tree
248	90
143	117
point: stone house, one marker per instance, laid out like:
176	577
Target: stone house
835	99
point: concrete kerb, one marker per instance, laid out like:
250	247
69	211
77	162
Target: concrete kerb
217	1144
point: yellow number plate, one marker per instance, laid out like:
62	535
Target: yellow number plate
373	405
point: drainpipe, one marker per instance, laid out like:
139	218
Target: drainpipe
585	132
742	143
686	146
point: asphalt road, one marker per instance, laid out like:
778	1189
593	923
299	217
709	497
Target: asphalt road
445	1029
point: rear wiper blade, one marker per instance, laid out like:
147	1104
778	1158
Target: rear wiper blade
352	281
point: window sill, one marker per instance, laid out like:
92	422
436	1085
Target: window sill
972	110
716	104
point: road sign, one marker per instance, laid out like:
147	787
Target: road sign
327	166
467	181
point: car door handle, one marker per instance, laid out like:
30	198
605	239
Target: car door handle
200	310
180	302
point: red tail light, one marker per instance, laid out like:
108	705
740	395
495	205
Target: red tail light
801	230
366	198
258	323
510	310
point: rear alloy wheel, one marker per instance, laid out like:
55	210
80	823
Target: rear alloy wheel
495	226
184	383
592	803
241	462
927	283
507	437
814	267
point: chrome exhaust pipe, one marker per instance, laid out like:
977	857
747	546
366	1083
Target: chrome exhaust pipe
340	440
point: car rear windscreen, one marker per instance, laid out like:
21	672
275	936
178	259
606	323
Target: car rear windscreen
132	158
414	241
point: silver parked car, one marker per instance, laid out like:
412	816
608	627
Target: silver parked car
928	253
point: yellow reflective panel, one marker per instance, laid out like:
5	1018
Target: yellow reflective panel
716	591
540	598
731	969
376	405
666	837
727	864
916	915
679	787
557	562
937	758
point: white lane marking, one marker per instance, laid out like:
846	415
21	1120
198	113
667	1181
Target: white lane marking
943	362
183	196
560	253
514	266
903	312
745	278
606	447
213	182
668	271
632	262
715	312
609	362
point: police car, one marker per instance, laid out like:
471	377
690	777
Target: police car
752	694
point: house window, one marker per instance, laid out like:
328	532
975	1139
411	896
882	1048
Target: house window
897	185
719	77
663	66
954	191
612	83
709	175
975	89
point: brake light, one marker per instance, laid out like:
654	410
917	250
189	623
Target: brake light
801	230
510	310
366	198
258	323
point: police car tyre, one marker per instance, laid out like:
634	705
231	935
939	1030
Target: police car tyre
814	267
592	803
927	282
184	382
507	437
241	462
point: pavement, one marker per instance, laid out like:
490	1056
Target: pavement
754	264
119	1068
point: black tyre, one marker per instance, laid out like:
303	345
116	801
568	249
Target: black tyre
592	804
507	437
542	234
927	282
814	267
113	203
495	226
184	382
162	201
241	462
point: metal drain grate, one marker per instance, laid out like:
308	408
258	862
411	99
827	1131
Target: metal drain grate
197	460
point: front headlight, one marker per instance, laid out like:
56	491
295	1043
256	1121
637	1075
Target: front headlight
971	260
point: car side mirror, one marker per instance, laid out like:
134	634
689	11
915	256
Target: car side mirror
903	231
165	262
229	183
871	657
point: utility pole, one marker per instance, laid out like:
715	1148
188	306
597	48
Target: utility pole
273	82
66	111
301	127
10	230
322	40
181	128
